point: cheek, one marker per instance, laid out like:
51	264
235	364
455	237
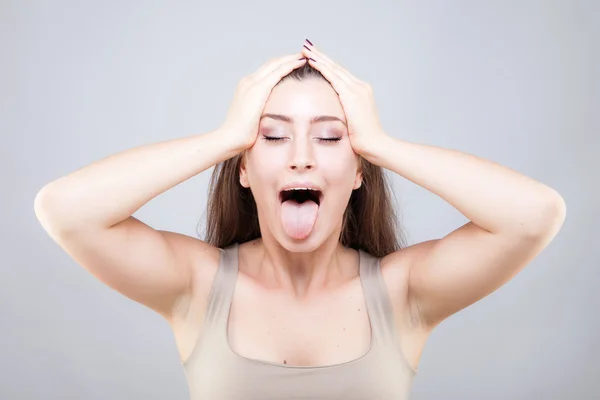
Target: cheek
264	166
338	164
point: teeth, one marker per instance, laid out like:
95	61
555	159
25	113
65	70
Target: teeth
316	190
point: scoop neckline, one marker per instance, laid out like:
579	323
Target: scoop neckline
266	363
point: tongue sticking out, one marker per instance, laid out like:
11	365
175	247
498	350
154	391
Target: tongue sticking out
298	219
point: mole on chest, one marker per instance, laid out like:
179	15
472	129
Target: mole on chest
303	341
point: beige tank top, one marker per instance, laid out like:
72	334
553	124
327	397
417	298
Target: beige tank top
215	372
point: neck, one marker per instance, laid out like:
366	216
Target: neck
301	274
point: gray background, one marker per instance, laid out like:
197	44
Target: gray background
512	81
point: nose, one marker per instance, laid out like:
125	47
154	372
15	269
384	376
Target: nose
301	157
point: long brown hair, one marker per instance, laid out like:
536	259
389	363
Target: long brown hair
370	222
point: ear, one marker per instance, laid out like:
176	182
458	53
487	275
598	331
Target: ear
243	172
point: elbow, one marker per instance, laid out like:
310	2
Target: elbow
43	199
41	206
46	211
550	216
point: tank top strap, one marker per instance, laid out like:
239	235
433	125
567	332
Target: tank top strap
377	299
223	286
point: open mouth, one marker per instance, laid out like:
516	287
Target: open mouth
299	211
301	195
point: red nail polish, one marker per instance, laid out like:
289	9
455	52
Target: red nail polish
309	42
306	47
313	60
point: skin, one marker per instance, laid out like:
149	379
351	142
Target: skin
284	288
301	266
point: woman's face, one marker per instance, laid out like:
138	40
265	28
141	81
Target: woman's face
302	154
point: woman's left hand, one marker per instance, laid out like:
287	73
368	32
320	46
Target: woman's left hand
356	97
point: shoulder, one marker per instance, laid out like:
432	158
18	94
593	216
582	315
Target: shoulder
201	256
398	263
395	269
202	259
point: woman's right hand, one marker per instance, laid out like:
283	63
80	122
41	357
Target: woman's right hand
251	96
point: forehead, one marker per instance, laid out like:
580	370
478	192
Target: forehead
304	98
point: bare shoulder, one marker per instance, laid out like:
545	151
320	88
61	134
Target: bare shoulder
188	316
396	265
395	268
203	257
203	260
413	332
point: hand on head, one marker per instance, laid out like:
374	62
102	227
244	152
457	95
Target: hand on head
356	97
252	92
251	95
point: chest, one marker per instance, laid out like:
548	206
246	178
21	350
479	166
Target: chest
330	330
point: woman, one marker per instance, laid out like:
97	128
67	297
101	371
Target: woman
301	289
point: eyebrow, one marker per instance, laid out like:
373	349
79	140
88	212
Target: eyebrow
313	120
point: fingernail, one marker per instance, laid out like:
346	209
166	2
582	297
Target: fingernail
306	47
309	42
303	58
313	60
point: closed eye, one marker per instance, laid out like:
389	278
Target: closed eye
275	138
333	139
272	138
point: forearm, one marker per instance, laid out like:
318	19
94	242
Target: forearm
493	196
110	190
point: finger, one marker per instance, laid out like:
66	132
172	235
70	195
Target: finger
325	59
313	52
340	74
346	76
312	49
273	64
273	77
338	82
269	65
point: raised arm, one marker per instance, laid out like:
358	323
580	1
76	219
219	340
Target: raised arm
89	214
512	217
89	211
